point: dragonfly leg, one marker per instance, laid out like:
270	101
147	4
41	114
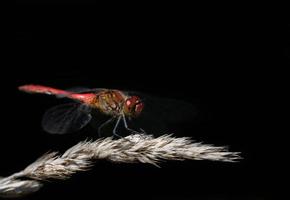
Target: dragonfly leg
104	124
142	130
129	129
116	126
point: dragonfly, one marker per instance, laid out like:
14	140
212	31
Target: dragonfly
119	106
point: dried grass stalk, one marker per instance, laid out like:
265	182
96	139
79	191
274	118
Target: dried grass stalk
131	149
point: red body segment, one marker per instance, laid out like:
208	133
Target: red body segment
85	98
42	89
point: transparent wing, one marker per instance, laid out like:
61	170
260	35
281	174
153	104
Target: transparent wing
167	109
84	90
161	115
66	118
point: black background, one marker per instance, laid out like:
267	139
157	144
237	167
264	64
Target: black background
214	58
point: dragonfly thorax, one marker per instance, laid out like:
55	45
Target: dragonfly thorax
110	102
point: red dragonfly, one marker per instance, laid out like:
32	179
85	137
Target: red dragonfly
116	104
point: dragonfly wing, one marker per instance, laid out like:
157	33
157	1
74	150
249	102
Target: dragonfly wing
167	109
66	118
84	90
163	115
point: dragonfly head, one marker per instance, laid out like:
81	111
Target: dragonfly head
133	106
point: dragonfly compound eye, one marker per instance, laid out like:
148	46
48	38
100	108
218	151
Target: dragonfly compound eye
133	106
139	107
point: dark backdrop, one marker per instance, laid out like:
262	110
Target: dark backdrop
203	56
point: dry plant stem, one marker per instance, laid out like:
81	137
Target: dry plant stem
13	187
131	149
